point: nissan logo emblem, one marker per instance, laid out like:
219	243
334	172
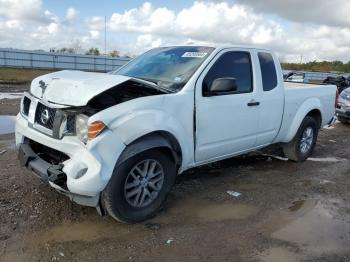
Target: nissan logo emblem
45	117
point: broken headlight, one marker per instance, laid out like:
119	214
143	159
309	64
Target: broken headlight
81	127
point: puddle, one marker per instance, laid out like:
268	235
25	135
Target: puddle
84	231
10	95
7	124
314	227
67	232
277	254
311	225
203	211
224	212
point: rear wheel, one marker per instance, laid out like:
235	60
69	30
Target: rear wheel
139	186
303	143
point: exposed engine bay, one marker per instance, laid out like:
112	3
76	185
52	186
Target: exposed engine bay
126	91
60	121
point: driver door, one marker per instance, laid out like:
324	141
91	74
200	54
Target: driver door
226	124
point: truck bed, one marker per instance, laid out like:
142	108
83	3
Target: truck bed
298	94
290	84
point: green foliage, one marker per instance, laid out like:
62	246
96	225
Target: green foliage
114	53
93	51
64	50
67	50
324	66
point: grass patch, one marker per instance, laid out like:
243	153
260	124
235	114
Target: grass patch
21	74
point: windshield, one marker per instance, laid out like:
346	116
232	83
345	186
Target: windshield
168	67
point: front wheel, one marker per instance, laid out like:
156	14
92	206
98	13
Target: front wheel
303	143
139	186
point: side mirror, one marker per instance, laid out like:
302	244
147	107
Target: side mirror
223	86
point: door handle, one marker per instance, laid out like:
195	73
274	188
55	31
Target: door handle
253	103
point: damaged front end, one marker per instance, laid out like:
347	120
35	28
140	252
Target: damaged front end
51	137
58	120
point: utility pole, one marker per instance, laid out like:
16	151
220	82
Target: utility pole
105	35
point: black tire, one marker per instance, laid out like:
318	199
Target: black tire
292	149
114	197
343	120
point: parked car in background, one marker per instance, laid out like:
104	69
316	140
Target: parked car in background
343	107
340	81
117	141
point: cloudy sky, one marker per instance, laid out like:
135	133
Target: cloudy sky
313	29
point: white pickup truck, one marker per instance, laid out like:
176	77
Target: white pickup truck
117	141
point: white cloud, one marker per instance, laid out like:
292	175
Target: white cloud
239	23
23	9
53	28
202	21
145	42
144	19
14	24
27	24
94	34
324	12
71	14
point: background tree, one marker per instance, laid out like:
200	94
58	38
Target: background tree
65	50
114	53
93	51
323	66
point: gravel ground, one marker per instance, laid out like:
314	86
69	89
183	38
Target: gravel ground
286	212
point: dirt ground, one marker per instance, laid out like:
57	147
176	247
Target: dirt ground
286	212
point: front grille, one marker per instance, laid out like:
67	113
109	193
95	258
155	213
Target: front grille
51	121
70	124
26	106
45	116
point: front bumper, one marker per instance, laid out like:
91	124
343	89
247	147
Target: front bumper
88	169
343	114
343	109
51	174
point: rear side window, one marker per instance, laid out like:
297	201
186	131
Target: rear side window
268	71
232	64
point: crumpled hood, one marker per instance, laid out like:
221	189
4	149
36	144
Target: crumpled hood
73	88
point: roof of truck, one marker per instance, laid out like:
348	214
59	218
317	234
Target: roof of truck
223	46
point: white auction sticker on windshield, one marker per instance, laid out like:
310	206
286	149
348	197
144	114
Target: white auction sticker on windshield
194	54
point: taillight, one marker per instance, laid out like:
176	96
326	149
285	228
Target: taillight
95	129
336	98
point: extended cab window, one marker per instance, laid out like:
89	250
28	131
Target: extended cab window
231	65
268	71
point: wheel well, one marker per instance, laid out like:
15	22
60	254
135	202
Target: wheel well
162	140
176	148
316	114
